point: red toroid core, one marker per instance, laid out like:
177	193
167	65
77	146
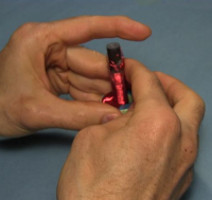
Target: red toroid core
118	96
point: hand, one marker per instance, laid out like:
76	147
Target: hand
148	153
42	61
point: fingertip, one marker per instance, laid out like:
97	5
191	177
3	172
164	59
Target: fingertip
144	31
131	67
138	30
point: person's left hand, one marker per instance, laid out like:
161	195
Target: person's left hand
42	61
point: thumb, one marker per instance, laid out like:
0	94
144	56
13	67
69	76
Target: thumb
53	112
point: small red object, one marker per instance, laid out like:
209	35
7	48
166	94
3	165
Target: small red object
118	96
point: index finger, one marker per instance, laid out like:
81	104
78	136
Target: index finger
82	29
146	87
188	105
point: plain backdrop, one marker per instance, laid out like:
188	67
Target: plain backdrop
180	46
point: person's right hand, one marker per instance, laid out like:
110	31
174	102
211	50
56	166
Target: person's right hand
147	153
41	61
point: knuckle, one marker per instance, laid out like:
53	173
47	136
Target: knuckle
197	100
20	112
87	140
163	127
27	26
29	111
23	30
25	113
88	137
167	123
199	105
84	135
27	32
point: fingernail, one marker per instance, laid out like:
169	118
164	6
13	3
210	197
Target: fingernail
109	117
